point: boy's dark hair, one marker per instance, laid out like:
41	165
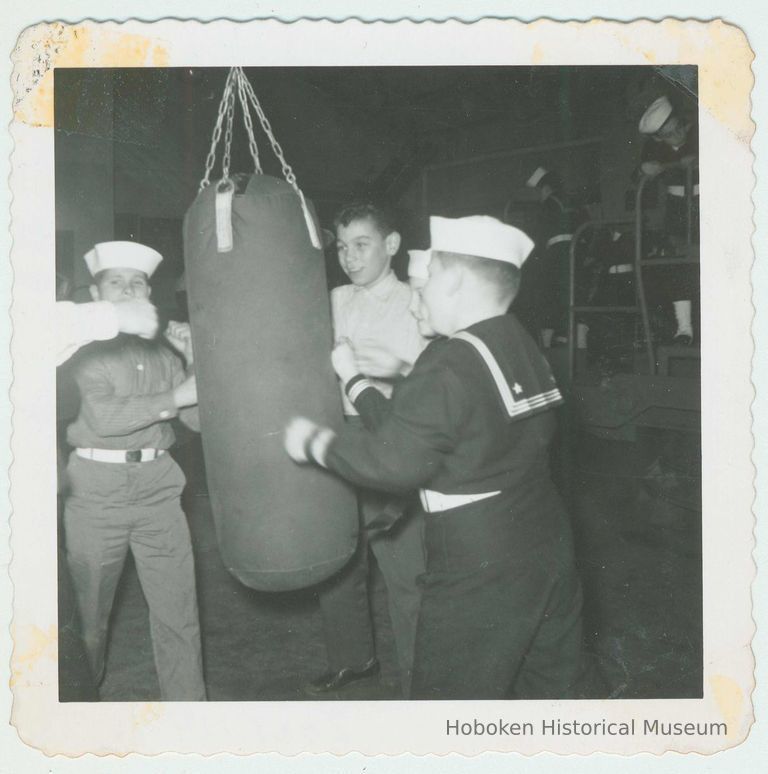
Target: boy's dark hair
505	277
380	214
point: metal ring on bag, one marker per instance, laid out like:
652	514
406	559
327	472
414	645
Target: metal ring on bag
225	185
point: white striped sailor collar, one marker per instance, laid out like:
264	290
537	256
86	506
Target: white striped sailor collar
513	395
382	288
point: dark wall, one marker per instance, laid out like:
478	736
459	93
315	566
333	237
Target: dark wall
131	144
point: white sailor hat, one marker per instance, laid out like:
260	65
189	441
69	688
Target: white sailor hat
536	177
653	118
481	236
418	263
122	255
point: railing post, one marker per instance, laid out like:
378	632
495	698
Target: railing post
689	208
639	284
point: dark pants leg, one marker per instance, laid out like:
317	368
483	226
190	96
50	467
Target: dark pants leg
345	602
501	601
346	612
508	629
400	555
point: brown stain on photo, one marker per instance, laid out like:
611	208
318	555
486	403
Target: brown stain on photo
730	701
33	645
48	46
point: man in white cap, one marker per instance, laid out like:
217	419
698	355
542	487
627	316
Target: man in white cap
125	487
469	427
671	139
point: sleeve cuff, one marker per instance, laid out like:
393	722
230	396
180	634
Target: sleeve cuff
317	445
355	386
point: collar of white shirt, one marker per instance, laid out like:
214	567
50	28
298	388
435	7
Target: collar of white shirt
382	287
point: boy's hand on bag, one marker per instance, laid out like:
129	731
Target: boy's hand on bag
179	335
297	433
377	361
343	359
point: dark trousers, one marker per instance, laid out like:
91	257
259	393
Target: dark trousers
344	600
501	609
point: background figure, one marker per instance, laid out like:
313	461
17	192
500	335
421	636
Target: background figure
671	139
546	279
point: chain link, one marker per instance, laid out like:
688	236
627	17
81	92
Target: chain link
254	149
245	92
228	136
211	158
267	127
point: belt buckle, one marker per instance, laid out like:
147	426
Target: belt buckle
134	455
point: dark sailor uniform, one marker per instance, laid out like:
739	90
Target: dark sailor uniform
470	428
543	301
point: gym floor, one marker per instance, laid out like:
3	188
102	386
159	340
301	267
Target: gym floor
639	553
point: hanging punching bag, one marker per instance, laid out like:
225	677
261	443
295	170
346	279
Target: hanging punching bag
262	337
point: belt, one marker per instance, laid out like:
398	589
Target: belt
621	268
434	502
120	455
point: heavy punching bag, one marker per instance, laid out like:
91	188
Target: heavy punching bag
259	310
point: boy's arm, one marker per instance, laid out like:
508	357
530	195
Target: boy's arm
407	450
79	324
179	336
190	415
370	404
111	415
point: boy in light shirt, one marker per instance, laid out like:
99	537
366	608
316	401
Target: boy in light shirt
372	315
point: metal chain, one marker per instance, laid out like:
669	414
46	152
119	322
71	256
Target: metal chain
223	105
245	93
228	136
254	149
267	127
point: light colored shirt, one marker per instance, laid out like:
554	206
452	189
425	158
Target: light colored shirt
377	315
80	324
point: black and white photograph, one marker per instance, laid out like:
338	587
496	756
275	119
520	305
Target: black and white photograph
379	385
519	517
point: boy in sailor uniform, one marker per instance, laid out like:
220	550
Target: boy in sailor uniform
470	427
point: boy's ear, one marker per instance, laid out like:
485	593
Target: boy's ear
94	291
392	243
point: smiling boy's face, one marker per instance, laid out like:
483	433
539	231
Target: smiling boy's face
365	254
